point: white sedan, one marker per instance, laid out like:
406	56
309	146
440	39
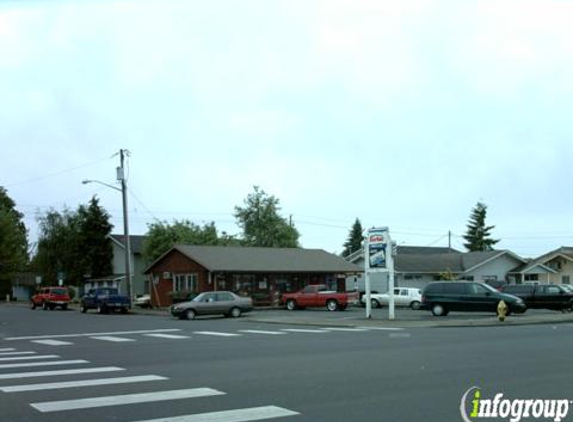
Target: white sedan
403	296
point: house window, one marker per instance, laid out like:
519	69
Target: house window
408	276
185	282
531	277
565	279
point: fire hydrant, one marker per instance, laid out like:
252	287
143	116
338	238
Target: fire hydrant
501	310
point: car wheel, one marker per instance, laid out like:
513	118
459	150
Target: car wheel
332	305
235	312
438	310
123	310
374	303
415	305
44	306
32	305
64	307
83	308
291	305
190	314
52	307
101	309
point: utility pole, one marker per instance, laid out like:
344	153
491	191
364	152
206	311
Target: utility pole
121	178
449	240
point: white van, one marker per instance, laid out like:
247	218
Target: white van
403	296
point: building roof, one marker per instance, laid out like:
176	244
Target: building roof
257	259
454	262
410	250
135	242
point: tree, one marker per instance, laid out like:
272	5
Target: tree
13	242
355	238
162	236
75	243
478	234
261	223
94	242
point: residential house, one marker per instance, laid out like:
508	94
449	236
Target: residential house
416	267
117	278
554	267
261	273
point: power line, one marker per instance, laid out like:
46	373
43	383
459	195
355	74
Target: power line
58	173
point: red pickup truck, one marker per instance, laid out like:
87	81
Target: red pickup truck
317	295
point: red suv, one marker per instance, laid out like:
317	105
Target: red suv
50	297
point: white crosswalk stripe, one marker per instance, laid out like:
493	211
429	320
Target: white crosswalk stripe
82	383
58	373
236	415
52	363
272	333
36	357
383	328
16	353
167	336
88	403
7	349
304	330
216	333
117	333
113	339
52	342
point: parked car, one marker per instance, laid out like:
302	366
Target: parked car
542	296
317	295
50	298
443	297
213	303
403	296
143	301
497	284
105	299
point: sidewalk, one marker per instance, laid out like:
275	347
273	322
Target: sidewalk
355	317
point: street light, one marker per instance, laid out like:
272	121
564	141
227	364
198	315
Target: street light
123	190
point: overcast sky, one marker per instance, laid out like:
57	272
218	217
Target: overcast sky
403	114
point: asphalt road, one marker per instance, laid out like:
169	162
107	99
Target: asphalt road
251	370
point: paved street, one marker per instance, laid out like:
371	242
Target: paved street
57	365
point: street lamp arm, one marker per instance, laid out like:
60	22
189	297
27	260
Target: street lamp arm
85	182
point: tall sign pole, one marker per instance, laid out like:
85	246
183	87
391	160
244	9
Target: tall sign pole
378	258
121	178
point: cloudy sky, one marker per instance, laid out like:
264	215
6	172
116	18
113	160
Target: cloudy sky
403	114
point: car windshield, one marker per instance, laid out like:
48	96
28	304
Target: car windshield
60	291
488	287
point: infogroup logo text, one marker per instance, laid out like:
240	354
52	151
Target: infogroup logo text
515	410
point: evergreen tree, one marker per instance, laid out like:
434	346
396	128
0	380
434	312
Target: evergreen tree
96	252
13	242
355	238
478	234
261	223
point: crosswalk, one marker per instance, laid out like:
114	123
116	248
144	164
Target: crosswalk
52	402
178	334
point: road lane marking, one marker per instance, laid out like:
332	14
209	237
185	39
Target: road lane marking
82	383
47	364
216	333
29	357
169	336
349	330
399	335
58	406
62	372
236	415
119	333
16	353
303	330
52	342
382	328
112	338
273	333
7	349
